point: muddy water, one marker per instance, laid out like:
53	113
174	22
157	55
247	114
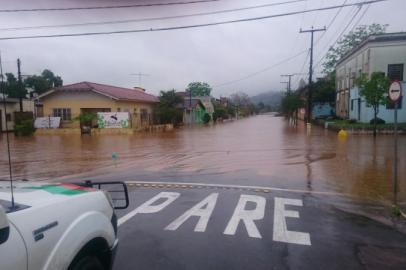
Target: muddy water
262	150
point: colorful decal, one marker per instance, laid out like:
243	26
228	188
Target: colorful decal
113	119
63	189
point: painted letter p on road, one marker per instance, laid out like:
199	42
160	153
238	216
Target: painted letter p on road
148	207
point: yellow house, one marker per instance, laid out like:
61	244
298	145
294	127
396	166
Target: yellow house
69	101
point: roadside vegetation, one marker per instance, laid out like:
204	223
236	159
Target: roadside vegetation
167	111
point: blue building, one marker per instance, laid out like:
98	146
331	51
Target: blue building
360	112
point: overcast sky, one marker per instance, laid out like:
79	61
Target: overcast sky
172	59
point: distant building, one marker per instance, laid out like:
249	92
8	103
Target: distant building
13	106
379	53
193	111
70	101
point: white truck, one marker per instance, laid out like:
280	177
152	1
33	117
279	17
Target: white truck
58	226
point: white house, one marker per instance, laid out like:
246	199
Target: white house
379	53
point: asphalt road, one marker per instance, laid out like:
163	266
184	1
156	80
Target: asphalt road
235	228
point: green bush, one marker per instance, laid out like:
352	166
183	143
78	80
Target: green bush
24	128
86	118
206	118
379	121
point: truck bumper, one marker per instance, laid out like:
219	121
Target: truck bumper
113	251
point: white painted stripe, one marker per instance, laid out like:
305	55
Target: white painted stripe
247	216
203	210
243	187
280	230
148	207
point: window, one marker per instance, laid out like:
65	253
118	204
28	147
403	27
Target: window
118	109
395	72
63	113
8	117
352	104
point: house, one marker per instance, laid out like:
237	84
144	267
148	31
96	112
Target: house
69	101
378	53
13	107
193	111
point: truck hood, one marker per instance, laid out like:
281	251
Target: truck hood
39	194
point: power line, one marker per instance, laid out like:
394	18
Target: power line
262	70
321	36
189	26
341	34
106	7
149	19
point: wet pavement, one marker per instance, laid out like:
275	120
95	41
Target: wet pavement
170	228
262	150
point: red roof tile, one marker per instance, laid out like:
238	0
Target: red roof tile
114	92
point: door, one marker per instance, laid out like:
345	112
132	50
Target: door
359	109
12	248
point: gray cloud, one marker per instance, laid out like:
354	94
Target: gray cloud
216	54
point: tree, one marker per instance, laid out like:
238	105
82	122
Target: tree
167	110
290	104
44	82
220	111
349	42
13	88
373	90
324	90
199	89
206	118
242	103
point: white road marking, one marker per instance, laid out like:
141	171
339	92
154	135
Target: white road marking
280	230
243	187
148	207
203	210
247	216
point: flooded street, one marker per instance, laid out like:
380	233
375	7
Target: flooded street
262	150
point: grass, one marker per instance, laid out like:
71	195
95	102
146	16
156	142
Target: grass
348	124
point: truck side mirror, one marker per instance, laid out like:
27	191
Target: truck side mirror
118	191
4	226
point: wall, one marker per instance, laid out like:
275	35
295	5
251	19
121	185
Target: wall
365	114
28	106
322	109
76	100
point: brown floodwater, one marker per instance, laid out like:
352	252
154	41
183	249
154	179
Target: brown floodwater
261	150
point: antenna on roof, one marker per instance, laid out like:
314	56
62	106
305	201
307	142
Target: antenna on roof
139	74
3	91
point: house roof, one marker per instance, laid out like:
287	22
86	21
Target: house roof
114	92
194	102
386	37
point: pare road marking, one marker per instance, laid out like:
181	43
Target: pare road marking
204	209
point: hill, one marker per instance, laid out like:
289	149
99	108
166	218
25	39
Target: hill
268	98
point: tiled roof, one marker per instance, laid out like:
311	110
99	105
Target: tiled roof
194	102
114	92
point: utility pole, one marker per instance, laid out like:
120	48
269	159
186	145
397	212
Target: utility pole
287	86
309	92
20	84
290	81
